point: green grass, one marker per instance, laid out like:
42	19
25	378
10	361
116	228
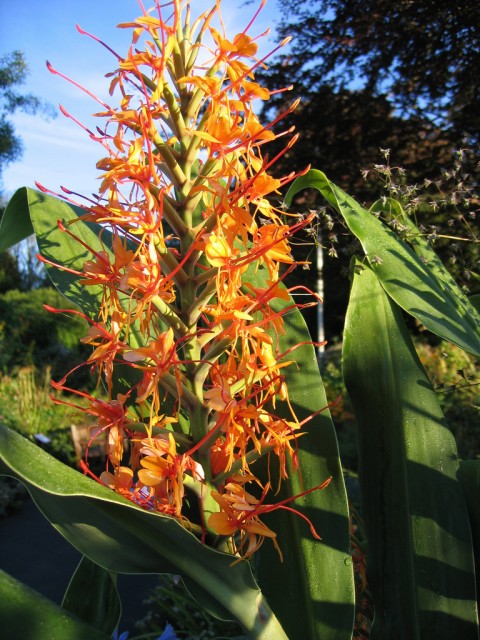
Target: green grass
26	406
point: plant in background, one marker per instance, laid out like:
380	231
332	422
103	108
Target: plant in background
444	208
12	496
219	434
169	601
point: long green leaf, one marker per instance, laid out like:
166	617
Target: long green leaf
92	596
15	224
469	476
393	209
27	615
121	537
420	559
312	590
420	286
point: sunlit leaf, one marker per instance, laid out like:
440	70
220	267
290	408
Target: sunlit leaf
420	561
315	576
24	614
417	282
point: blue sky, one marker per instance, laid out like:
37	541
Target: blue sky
57	152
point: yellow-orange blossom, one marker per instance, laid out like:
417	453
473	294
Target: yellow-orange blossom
189	278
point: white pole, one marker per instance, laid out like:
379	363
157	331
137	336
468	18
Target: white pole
320	317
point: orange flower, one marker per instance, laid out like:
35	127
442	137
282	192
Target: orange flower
163	470
107	346
217	250
239	514
158	359
121	480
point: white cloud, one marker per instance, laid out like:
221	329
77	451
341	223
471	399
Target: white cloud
55	153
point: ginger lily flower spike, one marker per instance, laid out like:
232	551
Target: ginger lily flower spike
186	339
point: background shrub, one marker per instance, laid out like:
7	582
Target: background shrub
30	335
454	374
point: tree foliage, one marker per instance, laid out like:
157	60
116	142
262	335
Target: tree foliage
9	272
31	335
14	72
18	271
425	55
376	75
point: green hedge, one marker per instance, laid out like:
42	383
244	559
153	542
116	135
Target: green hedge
30	335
